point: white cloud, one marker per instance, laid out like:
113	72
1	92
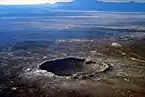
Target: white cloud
12	2
123	0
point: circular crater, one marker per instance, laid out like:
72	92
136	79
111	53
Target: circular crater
73	66
64	67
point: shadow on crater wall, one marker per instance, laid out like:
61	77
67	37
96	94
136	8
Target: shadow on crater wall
63	67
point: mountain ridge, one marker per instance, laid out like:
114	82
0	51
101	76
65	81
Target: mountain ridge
93	5
104	6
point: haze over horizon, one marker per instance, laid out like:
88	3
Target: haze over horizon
29	2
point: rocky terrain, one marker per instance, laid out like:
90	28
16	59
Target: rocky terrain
73	68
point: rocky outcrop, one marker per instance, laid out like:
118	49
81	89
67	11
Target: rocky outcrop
116	45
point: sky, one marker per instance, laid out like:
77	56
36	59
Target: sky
11	2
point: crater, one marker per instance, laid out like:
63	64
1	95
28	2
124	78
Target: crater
73	66
64	67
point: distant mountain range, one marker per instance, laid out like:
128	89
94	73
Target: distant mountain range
83	5
103	6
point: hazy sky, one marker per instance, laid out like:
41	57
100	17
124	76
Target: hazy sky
31	1
54	1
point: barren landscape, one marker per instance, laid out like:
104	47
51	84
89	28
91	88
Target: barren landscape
87	54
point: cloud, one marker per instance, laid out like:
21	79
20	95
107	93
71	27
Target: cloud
122	0
11	2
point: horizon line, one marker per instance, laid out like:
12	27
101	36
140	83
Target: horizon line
61	2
